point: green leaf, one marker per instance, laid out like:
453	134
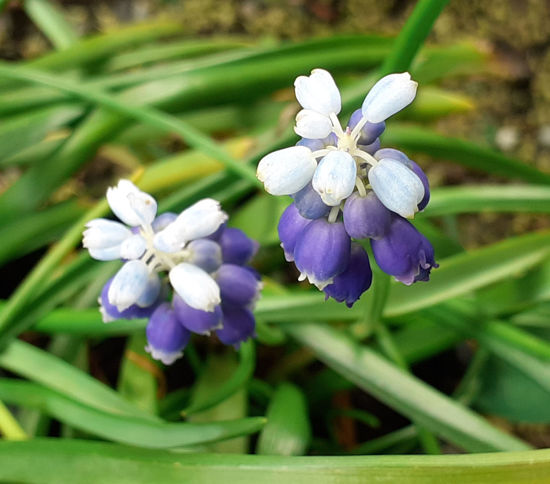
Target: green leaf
488	198
229	385
82	462
42	367
423	140
120	428
401	391
412	36
137	381
50	21
26	129
287	431
508	392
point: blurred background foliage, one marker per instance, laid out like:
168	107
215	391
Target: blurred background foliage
185	97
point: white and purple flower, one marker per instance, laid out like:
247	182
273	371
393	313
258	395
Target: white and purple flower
344	185
175	271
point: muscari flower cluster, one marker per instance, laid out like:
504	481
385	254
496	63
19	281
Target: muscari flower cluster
208	286
345	186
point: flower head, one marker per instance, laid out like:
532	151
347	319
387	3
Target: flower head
333	170
175	271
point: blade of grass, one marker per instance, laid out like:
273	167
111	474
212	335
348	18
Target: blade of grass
412	36
82	462
423	140
488	198
119	428
49	19
232	384
142	113
9	426
401	391
42	367
287	431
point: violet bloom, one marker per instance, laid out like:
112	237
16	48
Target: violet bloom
171	256
404	252
354	281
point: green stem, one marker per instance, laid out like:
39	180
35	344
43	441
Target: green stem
9	426
412	36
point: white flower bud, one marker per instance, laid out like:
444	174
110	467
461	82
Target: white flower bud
312	125
128	284
199	220
334	179
286	171
130	204
388	96
318	92
133	247
396	186
195	287
103	238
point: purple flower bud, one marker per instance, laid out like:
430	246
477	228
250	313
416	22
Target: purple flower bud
237	248
322	251
110	313
165	335
366	217
238	325
218	233
370	132
403	158
354	281
319	144
309	203
238	285
290	225
404	252
205	253
200	322
163	220
372	148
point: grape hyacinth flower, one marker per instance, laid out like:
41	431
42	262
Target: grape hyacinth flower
186	273
344	186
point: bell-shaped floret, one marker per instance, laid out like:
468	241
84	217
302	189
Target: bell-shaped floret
205	253
354	281
318	92
195	286
109	312
334	178
313	125
309	203
286	171
103	238
322	251
238	285
369	132
403	158
238	325
196	222
128	284
236	247
195	320
133	247
166	336
151	293
397	187
366	217
388	96
404	252
130	204
291	224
